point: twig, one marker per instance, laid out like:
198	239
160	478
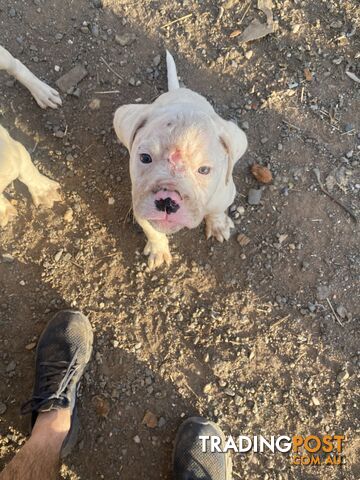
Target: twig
291	125
323	189
246	11
110	91
334	313
220	14
177	20
279	322
110	68
35	146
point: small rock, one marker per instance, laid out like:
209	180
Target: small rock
95	30
150	420
76	92
7	258
2	408
207	389
245	125
137	439
348	127
30	346
111	201
254	196
243	239
11	366
241	210
341	311
322	292
69	80
58	255
94	104
343	376
229	392
249	54
97	3
315	401
12	12
125	39
156	60
161	422
311	307
69	215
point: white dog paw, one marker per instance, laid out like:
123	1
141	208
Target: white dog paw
45	192
218	225
158	253
44	95
7	211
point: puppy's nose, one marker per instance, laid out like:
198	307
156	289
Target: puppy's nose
167	205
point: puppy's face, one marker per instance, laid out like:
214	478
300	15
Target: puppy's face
178	162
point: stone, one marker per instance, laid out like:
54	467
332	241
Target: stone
156	60
125	39
322	292
7	258
343	376
254	196
69	80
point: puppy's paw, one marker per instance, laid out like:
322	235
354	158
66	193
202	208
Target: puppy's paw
44	95
45	192
7	211
158	253
218	225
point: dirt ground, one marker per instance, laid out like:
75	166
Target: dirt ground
262	337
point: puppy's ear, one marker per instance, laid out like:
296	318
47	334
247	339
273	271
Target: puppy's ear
128	120
235	143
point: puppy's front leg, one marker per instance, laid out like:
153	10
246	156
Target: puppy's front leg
218	225
44	95
43	190
157	247
7	211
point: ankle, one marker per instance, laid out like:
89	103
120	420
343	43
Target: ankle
52	427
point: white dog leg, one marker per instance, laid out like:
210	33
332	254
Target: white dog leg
7	211
43	190
157	247
218	225
44	95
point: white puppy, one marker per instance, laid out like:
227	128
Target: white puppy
15	161
182	156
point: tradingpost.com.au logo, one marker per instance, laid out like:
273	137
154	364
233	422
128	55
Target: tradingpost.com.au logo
309	450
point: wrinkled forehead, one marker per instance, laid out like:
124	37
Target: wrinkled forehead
192	139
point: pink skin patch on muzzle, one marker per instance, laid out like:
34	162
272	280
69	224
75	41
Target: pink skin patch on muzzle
167	210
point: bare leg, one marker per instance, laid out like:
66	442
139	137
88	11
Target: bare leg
157	246
44	95
43	190
39	457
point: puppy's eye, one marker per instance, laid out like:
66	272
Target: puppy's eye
145	158
204	170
